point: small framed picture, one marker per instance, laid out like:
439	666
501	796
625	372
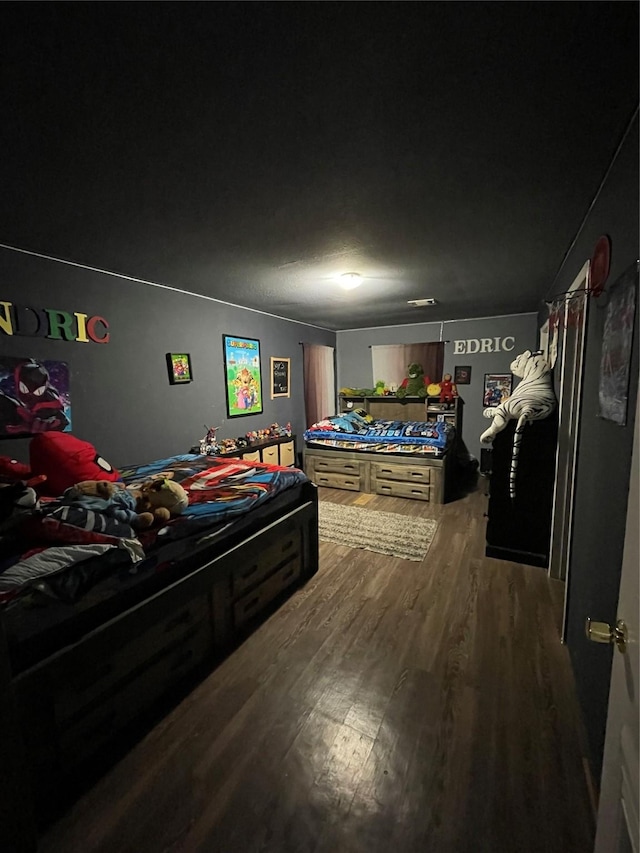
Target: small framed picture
179	367
462	375
497	389
280	372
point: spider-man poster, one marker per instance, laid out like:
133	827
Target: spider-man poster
34	397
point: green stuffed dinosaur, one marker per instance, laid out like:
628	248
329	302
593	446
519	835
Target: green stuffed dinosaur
415	383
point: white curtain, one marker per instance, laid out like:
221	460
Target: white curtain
389	364
319	382
391	361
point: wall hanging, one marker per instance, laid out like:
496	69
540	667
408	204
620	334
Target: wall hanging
179	367
34	397
617	341
280	377
242	375
497	389
462	375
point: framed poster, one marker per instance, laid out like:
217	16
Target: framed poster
617	342
497	389
179	367
461	375
34	397
280	377
243	379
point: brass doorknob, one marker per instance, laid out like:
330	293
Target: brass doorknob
601	632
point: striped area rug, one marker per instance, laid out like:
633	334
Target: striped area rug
384	532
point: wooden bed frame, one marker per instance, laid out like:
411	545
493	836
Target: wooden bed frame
70	705
424	478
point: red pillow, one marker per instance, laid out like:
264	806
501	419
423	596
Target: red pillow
66	460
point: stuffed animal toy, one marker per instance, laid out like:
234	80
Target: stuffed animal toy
448	391
415	383
110	499
66	460
163	498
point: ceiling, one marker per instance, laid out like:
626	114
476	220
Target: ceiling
254	152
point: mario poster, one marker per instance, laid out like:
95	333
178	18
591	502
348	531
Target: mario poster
242	374
34	397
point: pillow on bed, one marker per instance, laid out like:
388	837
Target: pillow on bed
66	460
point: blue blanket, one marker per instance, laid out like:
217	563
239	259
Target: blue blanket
346	428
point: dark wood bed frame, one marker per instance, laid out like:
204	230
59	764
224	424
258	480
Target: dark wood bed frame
70	706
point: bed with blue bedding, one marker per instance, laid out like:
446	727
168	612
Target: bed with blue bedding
357	452
99	626
359	431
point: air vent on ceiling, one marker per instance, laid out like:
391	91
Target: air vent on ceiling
420	302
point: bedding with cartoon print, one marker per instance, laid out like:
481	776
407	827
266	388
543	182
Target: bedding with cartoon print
61	550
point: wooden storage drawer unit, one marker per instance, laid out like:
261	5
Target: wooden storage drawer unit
270	454
337	466
89	684
287	454
252	603
337	481
405	473
81	735
281	551
416	491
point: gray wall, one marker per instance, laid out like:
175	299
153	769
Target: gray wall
354	357
121	399
604	451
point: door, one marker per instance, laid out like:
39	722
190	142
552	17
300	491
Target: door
618	816
568	382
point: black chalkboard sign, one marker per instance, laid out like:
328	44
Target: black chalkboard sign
280	376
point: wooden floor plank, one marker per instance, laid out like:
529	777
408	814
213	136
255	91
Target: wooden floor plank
388	704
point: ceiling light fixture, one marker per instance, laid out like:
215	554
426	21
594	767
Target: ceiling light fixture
349	280
419	303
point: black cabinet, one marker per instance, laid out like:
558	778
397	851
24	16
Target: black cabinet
520	529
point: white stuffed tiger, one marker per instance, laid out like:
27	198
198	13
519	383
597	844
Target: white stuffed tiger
533	400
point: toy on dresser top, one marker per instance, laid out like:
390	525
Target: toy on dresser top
210	445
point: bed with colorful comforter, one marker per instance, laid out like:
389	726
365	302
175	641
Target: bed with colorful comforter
100	623
358	431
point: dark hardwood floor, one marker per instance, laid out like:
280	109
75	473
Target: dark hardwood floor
386	706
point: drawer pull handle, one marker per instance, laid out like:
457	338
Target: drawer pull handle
251	605
287	574
249	572
417	474
287	545
182	619
348	482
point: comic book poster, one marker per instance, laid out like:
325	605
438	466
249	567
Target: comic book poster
497	389
242	375
34	397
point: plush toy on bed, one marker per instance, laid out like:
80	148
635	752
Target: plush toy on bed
163	498
109	499
415	383
154	503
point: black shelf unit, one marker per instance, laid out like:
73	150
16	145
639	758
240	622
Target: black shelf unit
520	530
